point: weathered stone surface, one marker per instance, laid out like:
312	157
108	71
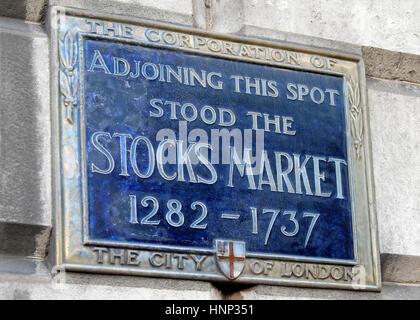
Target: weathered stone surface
389	291
388	24
399	268
86	286
171	11
25	194
395	132
30	279
29	10
385	64
199	14
299	39
229	17
24	240
175	11
14	268
25	188
179	6
223	16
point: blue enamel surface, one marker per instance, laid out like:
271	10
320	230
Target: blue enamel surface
121	104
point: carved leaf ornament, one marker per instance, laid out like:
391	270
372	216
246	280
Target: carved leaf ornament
68	74
353	94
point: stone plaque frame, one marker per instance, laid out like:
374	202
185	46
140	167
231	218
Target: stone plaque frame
71	249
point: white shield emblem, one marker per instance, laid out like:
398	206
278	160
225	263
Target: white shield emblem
230	257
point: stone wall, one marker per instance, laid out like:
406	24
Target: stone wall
385	32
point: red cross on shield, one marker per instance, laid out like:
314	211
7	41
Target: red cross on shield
230	257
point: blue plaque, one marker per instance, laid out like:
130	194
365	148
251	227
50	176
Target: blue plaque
211	157
138	96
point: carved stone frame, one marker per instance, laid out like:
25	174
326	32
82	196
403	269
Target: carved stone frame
69	248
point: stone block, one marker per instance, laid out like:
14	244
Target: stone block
387	24
170	11
29	10
385	64
401	269
299	40
395	132
389	292
224	16
25	153
74	286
